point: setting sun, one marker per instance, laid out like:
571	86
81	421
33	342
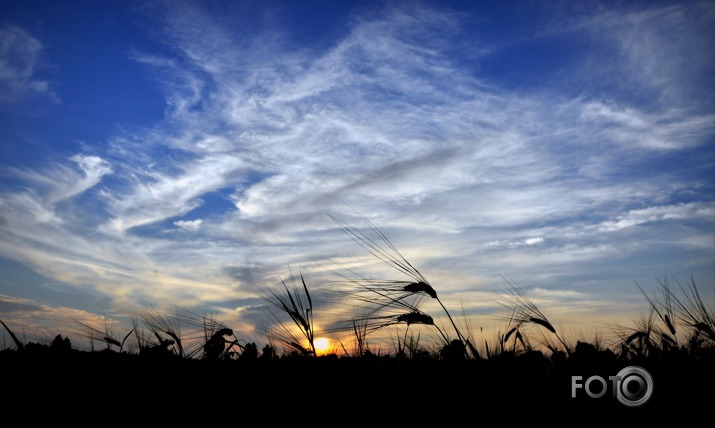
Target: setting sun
322	345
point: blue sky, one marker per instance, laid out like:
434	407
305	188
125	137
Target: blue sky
189	154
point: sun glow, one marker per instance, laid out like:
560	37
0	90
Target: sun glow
322	345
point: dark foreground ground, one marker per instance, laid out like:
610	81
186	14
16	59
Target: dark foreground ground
128	389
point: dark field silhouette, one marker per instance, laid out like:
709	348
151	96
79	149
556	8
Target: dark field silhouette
529	381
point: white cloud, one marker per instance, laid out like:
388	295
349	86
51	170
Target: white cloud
155	195
58	182
94	168
516	244
28	206
664	62
190	225
669	129
19	57
660	213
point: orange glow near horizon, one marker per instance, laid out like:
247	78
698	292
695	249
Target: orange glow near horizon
322	345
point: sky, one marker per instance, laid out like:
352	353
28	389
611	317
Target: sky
191	155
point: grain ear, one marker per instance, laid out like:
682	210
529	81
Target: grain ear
542	322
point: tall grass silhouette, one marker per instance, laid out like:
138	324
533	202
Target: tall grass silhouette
298	305
107	336
673	314
522	311
382	294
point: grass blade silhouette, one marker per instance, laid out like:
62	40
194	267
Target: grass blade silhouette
384	250
19	344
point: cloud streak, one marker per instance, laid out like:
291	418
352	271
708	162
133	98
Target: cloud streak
20	55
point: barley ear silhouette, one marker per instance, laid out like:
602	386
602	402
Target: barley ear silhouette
384	250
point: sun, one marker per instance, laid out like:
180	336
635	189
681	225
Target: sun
322	345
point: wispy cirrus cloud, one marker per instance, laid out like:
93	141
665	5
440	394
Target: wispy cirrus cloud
156	195
665	130
61	181
665	65
686	211
20	55
41	193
